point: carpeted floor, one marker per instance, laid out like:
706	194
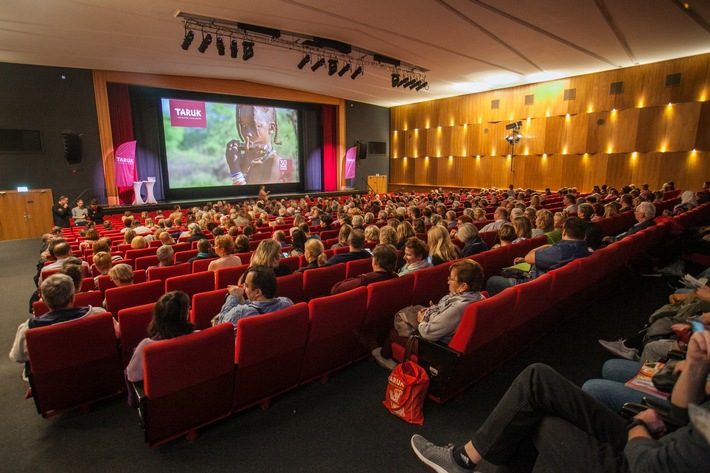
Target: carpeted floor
338	426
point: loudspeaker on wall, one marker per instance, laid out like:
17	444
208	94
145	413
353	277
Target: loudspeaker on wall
72	147
361	149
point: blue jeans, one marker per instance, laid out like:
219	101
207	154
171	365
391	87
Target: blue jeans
497	284
610	390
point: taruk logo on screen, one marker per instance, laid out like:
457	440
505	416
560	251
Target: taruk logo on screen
188	113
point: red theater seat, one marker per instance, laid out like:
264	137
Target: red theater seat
145	262
317	282
161	273
133	323
200	265
205	306
189	383
268	354
430	284
357	267
191	284
229	276
335	323
290	286
74	363
105	282
118	298
92	298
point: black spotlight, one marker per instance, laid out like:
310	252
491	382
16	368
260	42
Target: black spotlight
187	41
332	66
423	85
356	72
220	46
414	84
247	50
395	79
233	48
404	83
318	64
206	41
306	59
345	69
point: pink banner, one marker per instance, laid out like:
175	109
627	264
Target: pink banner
350	162
125	164
188	113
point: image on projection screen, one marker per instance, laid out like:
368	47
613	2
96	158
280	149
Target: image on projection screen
221	144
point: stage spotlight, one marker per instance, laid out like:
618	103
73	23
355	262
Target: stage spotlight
332	66
344	69
187	41
395	79
247	50
318	64
220	46
306	59
206	41
356	72
405	82
414	84
423	85
234	49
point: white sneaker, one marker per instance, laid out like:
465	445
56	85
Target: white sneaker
386	363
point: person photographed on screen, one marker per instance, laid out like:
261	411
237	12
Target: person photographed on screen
252	159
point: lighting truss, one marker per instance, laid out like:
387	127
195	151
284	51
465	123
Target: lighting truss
352	57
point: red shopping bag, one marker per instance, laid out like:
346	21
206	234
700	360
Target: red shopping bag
407	387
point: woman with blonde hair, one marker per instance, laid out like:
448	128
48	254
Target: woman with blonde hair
388	236
544	223
224	248
268	254
121	275
405	231
506	235
139	243
129	236
314	255
523	228
372	234
441	249
610	209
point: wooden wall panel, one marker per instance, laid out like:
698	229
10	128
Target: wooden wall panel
702	137
624	124
598	132
554	135
651	129
681	122
576	128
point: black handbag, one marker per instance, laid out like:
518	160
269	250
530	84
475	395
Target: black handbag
439	361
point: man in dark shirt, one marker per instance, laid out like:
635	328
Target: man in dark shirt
384	261
356	241
61	212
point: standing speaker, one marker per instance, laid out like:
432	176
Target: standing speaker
72	147
361	149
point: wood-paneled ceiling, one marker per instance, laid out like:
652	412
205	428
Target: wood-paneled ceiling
462	43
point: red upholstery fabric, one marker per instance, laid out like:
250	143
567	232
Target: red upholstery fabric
74	363
290	286
430	284
335	323
145	262
205	306
484	322
161	273
384	299
191	284
268	354
189	382
317	282
133	323
105	282
533	299
491	261
229	276
118	298
358	267
135	254
92	298
200	265
245	257
183	256
293	262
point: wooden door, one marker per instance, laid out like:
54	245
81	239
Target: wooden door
25	214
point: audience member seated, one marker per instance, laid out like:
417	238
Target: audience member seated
372	234
194	233
356	241
139	242
61	251
388	236
404	232
241	244
558	222
255	297
506	235
280	236
80	214
268	254
91	236
314	255
594	231
121	275
523	228
472	242
438	322
58	295
224	248
103	263
644	213
166	238
544	223
170	320
547	257
441	249
545	422
72	267
166	256
204	251
384	262
416	256
343	236
500	216
298	242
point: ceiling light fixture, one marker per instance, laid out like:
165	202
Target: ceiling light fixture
306	59
206	41
332	66
395	79
187	41
356	72
318	64
344	70
247	50
220	46
233	48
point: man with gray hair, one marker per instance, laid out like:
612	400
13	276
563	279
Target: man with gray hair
644	213
165	255
58	293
